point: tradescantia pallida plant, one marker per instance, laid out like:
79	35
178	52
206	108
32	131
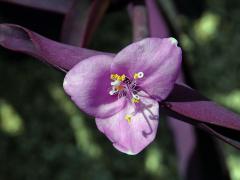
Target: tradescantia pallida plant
193	146
115	88
122	91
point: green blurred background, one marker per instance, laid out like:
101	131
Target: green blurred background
44	136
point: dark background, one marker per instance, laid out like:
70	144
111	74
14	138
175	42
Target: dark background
44	136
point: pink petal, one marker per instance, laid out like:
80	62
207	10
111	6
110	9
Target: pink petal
88	85
133	137
158	59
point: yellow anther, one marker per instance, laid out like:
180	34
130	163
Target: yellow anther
114	76
135	76
134	100
138	75
128	118
117	77
123	77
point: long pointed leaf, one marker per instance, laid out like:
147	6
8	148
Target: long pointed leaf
82	20
61	56
157	24
229	136
187	104
58	6
139	20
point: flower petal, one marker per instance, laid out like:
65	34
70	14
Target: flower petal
88	85
158	59
132	137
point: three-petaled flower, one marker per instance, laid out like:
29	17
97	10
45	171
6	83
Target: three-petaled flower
123	92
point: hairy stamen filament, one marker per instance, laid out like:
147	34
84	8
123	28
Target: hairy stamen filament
124	86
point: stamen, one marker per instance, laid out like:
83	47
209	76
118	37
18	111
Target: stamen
124	86
114	76
138	75
121	78
112	92
116	83
128	117
135	99
119	88
117	77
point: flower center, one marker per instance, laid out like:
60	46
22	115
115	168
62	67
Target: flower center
122	85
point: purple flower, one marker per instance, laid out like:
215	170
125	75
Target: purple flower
122	92
183	103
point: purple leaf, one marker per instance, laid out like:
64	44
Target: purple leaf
138	13
229	136
185	136
193	146
58	6
82	20
61	56
191	158
157	24
187	104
